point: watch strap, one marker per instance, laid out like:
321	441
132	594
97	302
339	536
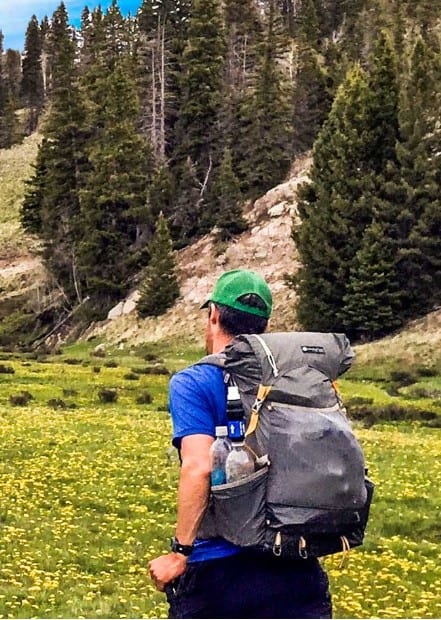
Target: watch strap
177	547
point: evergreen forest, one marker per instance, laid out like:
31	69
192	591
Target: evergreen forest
158	127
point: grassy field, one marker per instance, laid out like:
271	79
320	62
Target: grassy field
88	490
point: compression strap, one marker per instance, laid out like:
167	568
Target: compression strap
262	393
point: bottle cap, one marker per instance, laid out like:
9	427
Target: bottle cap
221	431
233	392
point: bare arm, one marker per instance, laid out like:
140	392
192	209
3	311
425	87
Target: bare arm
193	493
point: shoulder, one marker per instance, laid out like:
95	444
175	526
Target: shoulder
201	385
198	375
197	401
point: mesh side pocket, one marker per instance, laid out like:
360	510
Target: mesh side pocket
236	511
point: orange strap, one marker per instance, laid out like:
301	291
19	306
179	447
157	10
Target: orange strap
262	393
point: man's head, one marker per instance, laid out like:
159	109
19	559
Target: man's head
240	303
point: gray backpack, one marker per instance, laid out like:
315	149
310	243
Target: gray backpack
311	497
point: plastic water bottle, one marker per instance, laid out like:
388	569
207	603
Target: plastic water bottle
219	451
235	414
240	462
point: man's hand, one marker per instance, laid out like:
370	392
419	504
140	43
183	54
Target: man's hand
193	491
166	568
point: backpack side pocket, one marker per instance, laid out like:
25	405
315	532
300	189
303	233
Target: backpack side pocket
237	511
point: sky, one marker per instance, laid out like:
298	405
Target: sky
16	14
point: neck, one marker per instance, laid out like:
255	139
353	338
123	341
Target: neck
220	342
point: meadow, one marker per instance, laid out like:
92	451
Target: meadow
88	485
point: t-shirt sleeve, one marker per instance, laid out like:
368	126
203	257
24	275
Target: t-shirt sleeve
197	397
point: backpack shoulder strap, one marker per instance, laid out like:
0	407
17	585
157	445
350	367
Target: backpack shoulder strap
215	359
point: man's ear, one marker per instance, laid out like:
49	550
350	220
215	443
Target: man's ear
213	315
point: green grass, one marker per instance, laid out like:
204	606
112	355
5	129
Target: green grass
88	494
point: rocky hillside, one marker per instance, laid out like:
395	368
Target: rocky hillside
266	247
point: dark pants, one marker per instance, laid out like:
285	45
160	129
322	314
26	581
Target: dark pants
250	585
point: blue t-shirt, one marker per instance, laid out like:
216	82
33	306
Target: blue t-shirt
197	406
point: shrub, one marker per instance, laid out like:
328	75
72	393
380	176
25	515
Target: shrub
131	376
358	400
69	392
403	377
154	370
424	392
110	364
108	395
99	351
145	398
96	369
151	357
6	370
73	361
434	423
390	412
427	371
392	390
21	399
145	370
56	403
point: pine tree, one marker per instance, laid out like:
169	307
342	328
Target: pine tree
32	91
201	85
372	301
311	101
187	208
12	75
115	40
93	34
243	35
31	212
418	152
8	121
383	103
336	207
308	23
263	144
243	41
94	63
52	204
9	84
161	195
114	194
228	200
288	9
159	289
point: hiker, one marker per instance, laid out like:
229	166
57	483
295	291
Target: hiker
213	578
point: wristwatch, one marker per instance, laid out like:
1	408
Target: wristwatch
176	547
